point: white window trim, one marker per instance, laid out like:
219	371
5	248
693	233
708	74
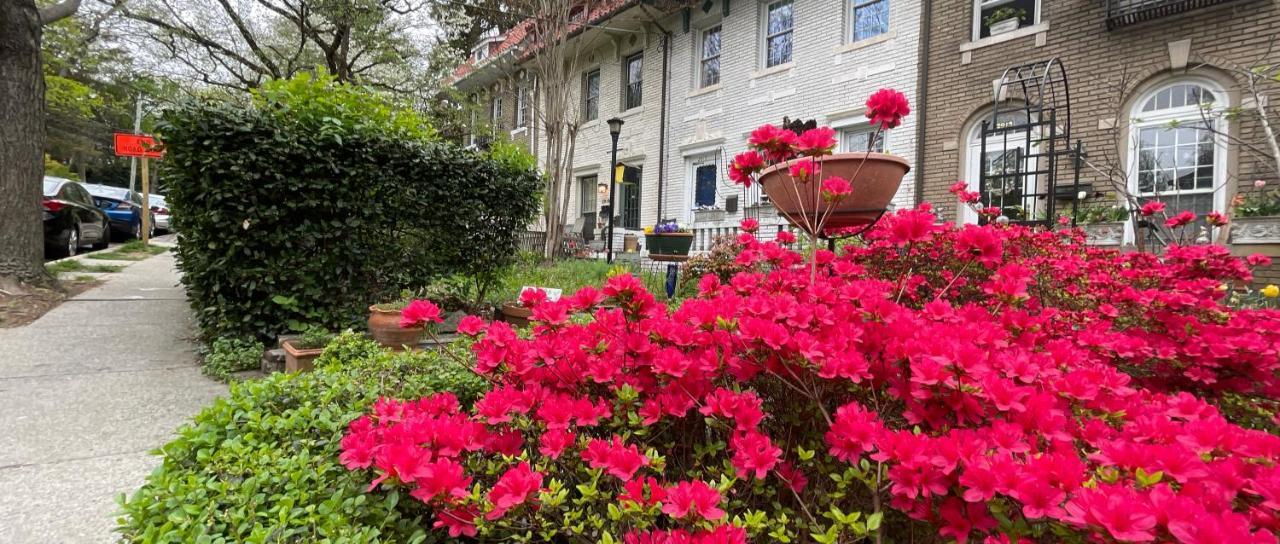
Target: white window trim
977	17
586	75
764	37
626	81
1139	120
841	130
851	22
522	100
691	174
702	59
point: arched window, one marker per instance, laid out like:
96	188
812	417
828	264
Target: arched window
1006	154
1177	155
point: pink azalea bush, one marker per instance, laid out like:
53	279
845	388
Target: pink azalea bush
988	384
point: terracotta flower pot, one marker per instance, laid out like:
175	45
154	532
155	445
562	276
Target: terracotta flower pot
515	314
873	189
297	359
384	326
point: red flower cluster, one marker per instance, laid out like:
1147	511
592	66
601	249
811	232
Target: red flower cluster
419	313
886	108
996	382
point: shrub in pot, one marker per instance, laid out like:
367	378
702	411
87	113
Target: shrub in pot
385	325
300	354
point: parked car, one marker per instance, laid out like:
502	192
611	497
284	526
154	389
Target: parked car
71	219
123	206
160	210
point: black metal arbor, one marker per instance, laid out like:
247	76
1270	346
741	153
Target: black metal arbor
1029	161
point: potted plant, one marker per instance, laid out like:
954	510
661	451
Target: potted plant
1257	216
1103	225
300	354
708	214
384	325
816	190
1005	19
668	239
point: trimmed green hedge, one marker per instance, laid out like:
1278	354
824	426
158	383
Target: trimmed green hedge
316	199
261	465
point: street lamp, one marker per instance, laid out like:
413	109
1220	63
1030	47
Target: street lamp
615	128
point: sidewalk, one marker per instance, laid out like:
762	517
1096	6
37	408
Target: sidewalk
87	390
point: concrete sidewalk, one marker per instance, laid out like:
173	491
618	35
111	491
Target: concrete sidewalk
87	390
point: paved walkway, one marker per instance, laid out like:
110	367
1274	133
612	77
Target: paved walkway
86	392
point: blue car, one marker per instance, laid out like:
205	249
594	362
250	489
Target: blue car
123	207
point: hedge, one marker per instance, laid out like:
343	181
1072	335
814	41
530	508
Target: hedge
316	199
261	465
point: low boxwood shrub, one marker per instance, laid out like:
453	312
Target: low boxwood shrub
261	464
228	355
314	199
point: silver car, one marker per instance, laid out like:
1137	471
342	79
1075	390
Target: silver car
160	211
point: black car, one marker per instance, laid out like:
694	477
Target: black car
71	219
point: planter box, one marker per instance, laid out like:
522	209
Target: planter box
298	359
676	243
1007	25
1104	234
1255	230
708	216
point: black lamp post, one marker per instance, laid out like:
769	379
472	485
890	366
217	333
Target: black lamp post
615	128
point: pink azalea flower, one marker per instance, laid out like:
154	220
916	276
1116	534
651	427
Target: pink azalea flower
514	488
1182	219
618	459
693	499
886	108
835	188
817	141
471	325
418	313
1152	207
750	224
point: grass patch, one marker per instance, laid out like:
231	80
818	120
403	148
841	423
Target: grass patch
132	251
72	265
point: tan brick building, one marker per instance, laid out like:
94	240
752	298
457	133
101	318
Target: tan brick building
1134	69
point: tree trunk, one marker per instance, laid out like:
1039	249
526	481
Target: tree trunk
22	137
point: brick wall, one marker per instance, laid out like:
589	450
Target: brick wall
1097	61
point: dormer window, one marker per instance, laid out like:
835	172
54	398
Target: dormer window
480	53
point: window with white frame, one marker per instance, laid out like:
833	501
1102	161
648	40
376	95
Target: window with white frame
779	29
994	17
633	81
704	184
495	106
1175	149
522	102
870	18
858	139
591	95
709	69
587	195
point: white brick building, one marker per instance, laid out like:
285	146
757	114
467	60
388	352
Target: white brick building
819	59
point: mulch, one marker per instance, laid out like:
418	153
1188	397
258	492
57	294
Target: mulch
18	309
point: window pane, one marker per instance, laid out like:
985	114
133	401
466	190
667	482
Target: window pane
870	19
856	141
779	18
711	43
705	186
711	72
780	49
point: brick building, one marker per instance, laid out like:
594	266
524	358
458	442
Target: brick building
1135	69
